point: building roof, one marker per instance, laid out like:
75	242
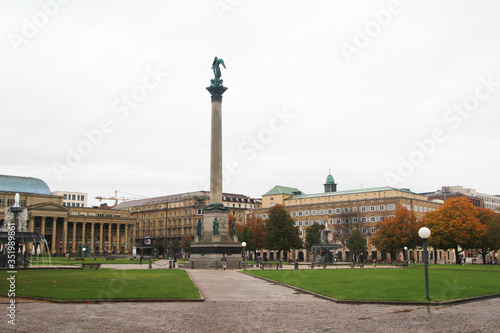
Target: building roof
283	190
362	190
181	196
23	185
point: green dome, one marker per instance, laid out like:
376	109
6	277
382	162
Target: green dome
330	180
23	185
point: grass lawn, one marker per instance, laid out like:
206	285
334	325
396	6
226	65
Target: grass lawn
445	282
69	284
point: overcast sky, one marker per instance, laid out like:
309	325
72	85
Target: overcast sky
98	96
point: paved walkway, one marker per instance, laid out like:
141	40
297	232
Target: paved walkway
231	285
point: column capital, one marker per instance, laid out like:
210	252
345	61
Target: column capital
216	91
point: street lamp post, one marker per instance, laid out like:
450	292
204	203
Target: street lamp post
425	233
83	253
406	253
244	244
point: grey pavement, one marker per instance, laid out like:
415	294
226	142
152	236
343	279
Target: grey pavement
231	285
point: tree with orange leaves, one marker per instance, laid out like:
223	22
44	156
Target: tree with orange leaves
230	226
396	233
454	225
257	226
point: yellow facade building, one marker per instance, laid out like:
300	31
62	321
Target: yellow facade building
340	211
171	217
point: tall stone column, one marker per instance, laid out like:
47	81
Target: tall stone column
54	235
126	242
101	237
42	227
110	238
212	239
92	232
73	244
216	153
118	247
65	235
84	241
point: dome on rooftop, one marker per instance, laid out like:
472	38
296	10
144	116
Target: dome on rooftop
23	185
329	179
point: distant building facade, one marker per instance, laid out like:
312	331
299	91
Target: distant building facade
73	199
171	217
364	207
478	199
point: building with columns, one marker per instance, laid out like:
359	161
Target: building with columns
68	229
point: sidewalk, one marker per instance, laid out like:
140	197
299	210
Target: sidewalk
232	285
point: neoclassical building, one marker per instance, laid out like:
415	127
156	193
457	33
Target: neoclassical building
365	208
171	217
68	229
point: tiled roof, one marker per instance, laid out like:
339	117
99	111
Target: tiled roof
283	190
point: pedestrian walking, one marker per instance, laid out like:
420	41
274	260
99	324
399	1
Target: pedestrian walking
224	261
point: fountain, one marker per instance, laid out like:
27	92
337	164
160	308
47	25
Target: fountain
18	246
324	248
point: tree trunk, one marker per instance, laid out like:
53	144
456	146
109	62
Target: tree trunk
435	257
457	260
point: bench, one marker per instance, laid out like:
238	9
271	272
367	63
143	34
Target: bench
359	264
79	259
90	266
318	264
270	264
402	264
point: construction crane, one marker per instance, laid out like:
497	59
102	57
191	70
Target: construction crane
116	198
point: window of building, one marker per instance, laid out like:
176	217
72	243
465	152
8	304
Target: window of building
294	213
322	221
363	220
330	211
381	207
372	230
299	213
322	212
363	209
338	221
300	222
65	196
381	218
306	213
314	212
300	232
346	210
373	208
373	219
306	222
354	209
73	197
330	221
391	207
337	211
363	230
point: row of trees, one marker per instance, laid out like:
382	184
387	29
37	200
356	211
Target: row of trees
457	225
